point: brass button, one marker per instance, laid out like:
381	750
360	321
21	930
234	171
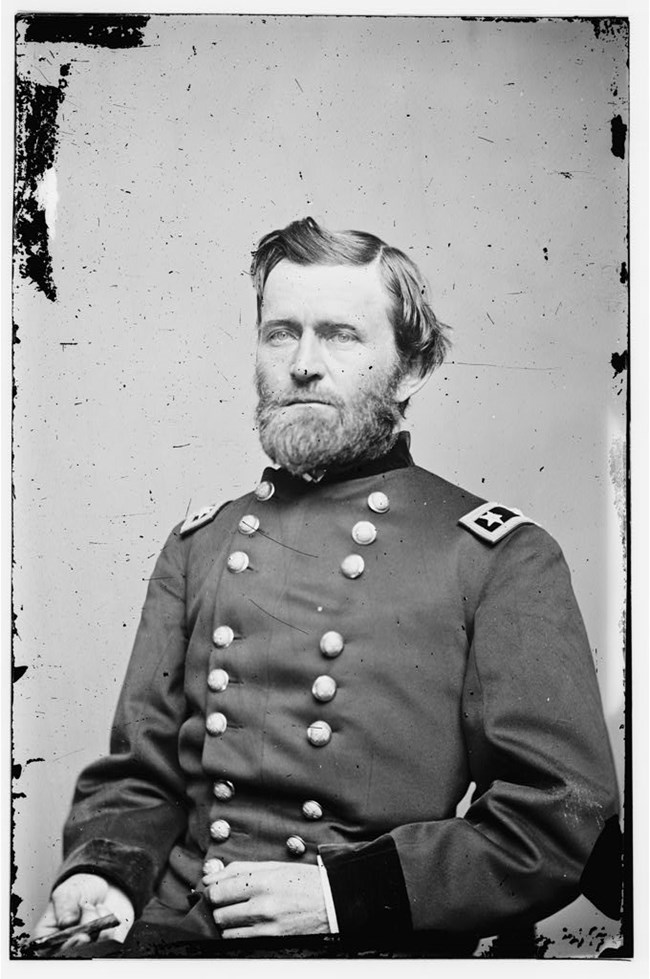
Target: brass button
319	733
378	502
216	723
352	566
223	636
218	680
324	688
220	830
364	532
238	561
223	790
264	491
312	809
248	524
296	846
331	644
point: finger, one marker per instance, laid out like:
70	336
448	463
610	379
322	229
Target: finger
211	878
74	941
252	931
47	924
246	877
66	905
89	912
212	870
118	932
103	910
236	890
238	867
238	916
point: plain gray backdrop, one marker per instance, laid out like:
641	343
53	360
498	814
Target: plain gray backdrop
482	148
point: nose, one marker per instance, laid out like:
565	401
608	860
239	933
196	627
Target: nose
307	364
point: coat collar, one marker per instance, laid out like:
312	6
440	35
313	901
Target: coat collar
398	457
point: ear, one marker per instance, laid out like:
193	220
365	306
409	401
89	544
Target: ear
410	384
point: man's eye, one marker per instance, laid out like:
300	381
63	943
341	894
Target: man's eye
279	336
342	337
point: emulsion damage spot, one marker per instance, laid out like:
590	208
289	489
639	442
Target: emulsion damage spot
619	134
96	30
36	130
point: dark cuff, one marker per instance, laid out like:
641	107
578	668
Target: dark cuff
125	866
368	890
602	878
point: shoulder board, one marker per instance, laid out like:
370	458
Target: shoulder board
199	518
492	521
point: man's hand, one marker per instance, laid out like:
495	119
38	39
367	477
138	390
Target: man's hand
82	898
266	898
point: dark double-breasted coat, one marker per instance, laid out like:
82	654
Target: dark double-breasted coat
323	668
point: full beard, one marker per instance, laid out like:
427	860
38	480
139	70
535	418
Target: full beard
302	440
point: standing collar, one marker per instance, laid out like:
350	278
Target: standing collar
397	457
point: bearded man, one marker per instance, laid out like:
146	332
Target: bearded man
324	666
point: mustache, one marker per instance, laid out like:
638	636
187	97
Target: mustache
284	399
277	402
298	399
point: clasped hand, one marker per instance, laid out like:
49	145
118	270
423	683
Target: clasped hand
266	898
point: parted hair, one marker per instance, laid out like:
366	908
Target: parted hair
421	339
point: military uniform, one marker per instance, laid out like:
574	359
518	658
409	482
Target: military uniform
323	668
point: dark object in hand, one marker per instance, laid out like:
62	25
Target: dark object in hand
48	943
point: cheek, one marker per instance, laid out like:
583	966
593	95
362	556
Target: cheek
362	372
272	370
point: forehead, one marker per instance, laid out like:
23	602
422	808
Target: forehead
332	292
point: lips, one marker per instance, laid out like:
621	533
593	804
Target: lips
306	401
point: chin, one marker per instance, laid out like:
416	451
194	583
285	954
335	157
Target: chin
300	446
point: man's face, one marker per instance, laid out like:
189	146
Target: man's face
328	374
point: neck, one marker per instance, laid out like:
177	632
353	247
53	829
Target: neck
396	456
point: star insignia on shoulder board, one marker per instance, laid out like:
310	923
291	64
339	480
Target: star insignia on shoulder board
199	518
492	522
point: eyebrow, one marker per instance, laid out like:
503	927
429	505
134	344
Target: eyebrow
283	321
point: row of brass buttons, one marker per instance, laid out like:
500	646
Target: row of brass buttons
331	645
323	688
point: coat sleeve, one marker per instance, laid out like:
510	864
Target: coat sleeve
129	807
539	754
